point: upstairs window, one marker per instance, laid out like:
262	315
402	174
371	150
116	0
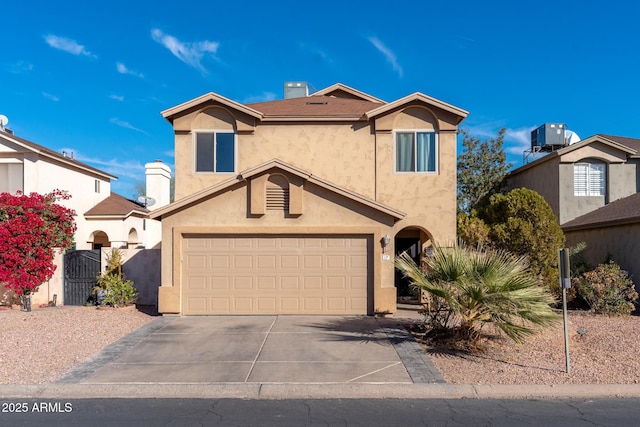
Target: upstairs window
589	179
215	152
416	152
96	186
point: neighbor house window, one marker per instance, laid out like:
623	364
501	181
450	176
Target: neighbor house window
215	152
589	179
416	152
96	186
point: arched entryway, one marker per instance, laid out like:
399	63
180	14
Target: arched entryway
416	242
132	240
99	240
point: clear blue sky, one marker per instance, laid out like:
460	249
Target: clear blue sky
92	77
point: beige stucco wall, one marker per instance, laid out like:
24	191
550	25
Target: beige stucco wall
348	154
324	212
339	152
620	242
54	286
429	199
356	155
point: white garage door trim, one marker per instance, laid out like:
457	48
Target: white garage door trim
277	274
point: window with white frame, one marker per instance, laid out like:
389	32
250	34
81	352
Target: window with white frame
416	151
589	179
215	152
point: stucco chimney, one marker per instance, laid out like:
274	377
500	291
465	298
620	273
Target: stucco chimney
158	183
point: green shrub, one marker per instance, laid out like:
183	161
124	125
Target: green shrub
607	289
523	223
113	289
118	292
472	231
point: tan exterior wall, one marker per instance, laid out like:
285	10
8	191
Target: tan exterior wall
620	242
350	155
358	156
335	152
324	213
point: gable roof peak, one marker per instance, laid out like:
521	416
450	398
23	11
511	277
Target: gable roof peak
421	97
172	112
338	88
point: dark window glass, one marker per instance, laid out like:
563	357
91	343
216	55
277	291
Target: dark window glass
204	152
225	161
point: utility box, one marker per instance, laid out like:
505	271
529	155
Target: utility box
549	136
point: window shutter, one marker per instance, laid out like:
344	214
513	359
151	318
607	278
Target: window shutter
596	179
580	173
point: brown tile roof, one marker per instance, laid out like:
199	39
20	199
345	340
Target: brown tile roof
315	106
629	142
116	205
48	152
625	210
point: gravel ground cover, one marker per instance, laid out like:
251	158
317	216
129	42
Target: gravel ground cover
602	350
40	346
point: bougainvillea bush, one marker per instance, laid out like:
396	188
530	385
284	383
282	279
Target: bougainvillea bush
31	229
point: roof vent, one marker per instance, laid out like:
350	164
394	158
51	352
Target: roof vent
295	90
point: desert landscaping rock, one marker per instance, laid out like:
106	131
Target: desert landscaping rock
606	352
40	346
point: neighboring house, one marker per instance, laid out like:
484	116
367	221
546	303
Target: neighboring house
300	205
592	187
103	218
584	176
612	231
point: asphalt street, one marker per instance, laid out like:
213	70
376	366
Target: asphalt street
321	412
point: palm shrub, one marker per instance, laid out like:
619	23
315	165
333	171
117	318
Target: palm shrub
118	292
483	287
607	289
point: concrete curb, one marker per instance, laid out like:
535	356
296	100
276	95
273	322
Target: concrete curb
59	391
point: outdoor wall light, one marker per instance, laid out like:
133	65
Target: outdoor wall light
385	242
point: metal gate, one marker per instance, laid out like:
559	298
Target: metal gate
81	268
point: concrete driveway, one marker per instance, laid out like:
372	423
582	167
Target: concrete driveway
260	349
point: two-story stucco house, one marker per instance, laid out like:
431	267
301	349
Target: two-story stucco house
297	205
592	187
103	218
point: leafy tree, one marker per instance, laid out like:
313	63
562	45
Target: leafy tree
482	287
523	223
482	167
31	228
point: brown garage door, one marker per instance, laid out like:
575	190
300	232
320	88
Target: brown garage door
327	274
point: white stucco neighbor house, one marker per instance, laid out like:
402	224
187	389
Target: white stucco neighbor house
103	218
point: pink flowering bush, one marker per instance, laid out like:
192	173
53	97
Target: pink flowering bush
31	228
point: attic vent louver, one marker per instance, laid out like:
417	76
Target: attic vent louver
277	198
